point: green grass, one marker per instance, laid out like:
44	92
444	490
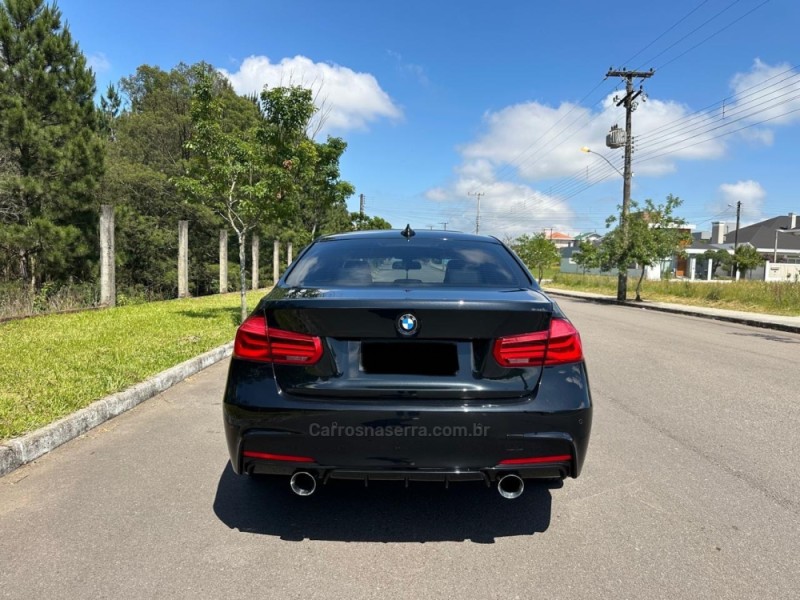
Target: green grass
754	296
53	365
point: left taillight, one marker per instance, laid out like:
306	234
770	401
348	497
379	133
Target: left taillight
560	344
256	341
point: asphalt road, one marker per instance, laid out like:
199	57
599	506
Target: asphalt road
691	490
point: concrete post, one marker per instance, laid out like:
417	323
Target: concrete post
709	274
288	253
108	290
254	265
223	261
692	267
183	259
276	261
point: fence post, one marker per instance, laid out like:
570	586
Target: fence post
108	290
254	266
276	261
223	261
288	253
183	259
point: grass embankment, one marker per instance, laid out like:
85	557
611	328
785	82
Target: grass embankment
754	296
51	366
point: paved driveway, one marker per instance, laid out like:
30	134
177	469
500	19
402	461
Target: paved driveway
690	490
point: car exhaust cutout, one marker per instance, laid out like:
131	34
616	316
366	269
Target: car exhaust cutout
303	483
510	486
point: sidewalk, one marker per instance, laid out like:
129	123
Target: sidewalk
27	448
778	322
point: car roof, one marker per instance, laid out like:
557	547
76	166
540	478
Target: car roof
390	234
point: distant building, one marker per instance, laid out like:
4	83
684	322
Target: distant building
765	236
561	240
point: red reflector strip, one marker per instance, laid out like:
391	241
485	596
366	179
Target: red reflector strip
284	457
533	460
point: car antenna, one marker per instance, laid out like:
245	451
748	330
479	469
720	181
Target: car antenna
408	232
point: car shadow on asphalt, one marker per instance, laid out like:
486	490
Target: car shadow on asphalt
383	512
771	337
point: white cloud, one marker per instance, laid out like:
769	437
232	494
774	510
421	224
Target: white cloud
750	193
758	136
350	100
767	92
538	145
98	62
537	141
508	209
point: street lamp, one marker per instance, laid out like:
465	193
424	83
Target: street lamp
782	230
589	150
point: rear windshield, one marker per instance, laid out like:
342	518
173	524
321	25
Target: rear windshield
401	262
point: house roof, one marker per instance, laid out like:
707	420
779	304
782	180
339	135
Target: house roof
762	235
557	235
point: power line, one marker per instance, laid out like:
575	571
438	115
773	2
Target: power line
720	135
726	121
693	31
705	113
714	34
544	149
673	26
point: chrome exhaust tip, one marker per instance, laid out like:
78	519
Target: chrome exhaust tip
303	483
510	486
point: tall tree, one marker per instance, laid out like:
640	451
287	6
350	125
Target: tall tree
718	258
225	173
655	234
537	252
51	156
747	258
146	154
363	222
587	257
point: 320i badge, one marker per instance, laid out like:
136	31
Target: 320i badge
408	356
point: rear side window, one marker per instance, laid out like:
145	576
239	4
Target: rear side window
401	262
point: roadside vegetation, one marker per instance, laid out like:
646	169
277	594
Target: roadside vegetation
161	146
53	365
753	296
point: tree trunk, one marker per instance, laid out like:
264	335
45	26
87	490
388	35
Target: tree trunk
639	286
242	235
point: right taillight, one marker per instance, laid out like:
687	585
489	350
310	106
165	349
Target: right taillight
256	341
559	345
564	345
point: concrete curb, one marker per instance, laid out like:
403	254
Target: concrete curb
24	449
702	312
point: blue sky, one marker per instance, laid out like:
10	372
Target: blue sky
441	100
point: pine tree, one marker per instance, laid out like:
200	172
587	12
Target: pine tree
51	156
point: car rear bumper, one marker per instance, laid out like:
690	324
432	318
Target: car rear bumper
271	432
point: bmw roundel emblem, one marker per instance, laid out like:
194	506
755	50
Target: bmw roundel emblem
407	324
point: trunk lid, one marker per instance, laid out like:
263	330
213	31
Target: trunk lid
446	354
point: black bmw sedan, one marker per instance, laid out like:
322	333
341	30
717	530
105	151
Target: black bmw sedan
410	356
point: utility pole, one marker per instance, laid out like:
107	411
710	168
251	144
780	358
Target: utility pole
736	238
630	106
478	214
444	224
362	204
